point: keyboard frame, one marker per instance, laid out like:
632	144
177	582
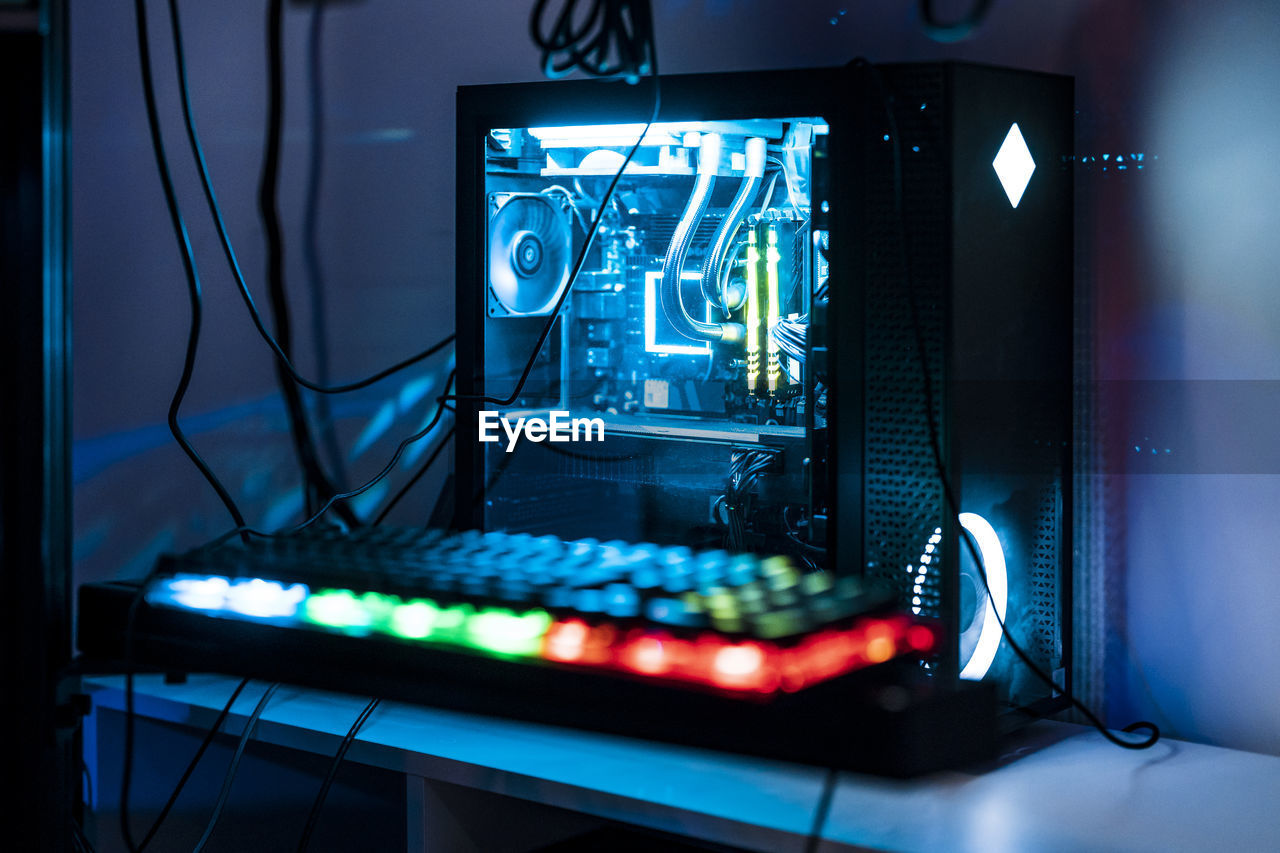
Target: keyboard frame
888	719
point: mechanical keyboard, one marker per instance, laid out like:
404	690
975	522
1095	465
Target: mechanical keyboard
596	634
733	622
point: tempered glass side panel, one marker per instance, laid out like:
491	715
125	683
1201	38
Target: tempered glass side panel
671	399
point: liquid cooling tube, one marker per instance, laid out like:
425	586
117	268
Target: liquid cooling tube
714	271
673	264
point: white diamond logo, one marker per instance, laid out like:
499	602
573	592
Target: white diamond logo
1013	165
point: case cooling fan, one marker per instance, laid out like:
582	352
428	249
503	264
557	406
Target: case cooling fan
529	247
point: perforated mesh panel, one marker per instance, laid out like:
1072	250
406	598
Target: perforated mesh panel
552	505
1044	615
636	469
904	501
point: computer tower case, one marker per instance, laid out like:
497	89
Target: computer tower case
796	270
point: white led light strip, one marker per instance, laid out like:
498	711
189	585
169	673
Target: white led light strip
922	570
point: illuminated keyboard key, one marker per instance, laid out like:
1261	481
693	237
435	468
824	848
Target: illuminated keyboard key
589	600
670	611
621	601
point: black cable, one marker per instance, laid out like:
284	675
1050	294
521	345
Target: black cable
314	478
314	814
821	812
79	839
196	299
246	531
404	490
215	209
956	30
191	765
745	468
377	478
88	779
130	717
188	366
316	483
952	504
188	265
282	359
615	37
233	766
130	722
578	262
808	546
311	242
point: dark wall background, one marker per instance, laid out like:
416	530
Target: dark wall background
1179	308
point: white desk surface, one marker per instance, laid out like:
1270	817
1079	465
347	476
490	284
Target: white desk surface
1056	787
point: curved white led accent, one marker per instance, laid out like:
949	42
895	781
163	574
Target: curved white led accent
992	555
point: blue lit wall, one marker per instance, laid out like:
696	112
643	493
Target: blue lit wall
1175	270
